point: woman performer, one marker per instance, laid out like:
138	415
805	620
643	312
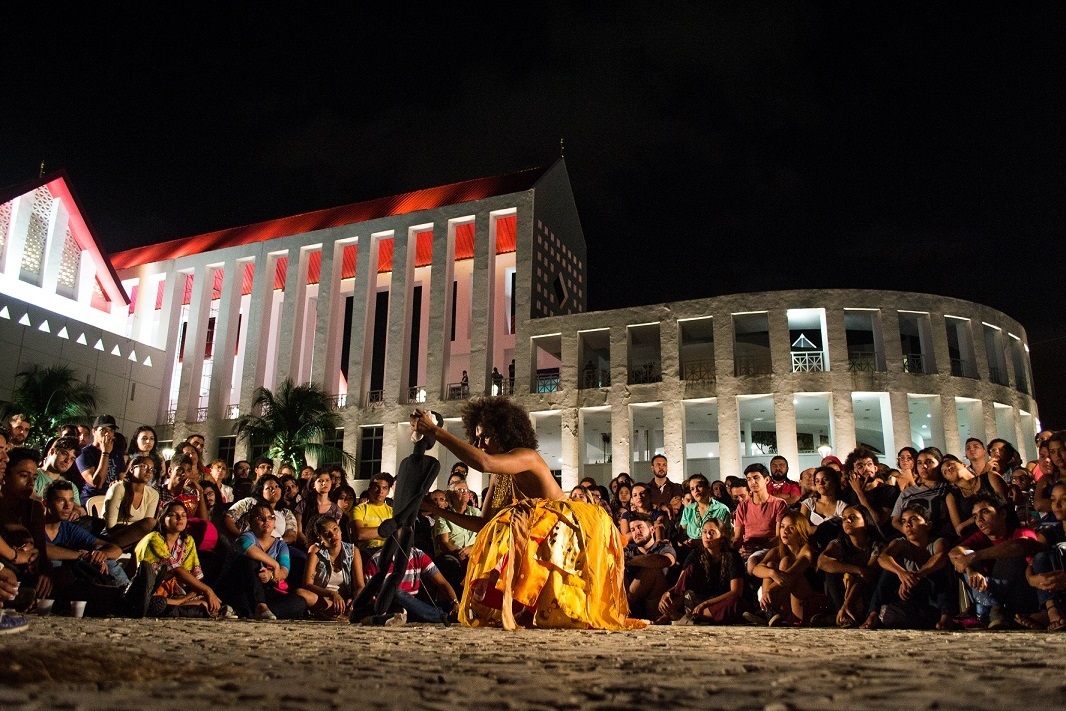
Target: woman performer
539	560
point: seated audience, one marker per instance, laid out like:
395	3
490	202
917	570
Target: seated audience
788	596
850	565
703	508
755	519
710	590
928	489
334	574
964	486
255	583
1047	572
406	603
641	503
131	504
646	562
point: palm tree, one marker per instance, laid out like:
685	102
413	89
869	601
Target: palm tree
294	422
51	396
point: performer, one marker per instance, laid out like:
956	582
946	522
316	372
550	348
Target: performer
539	560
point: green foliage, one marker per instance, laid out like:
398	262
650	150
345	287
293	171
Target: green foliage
51	396
295	420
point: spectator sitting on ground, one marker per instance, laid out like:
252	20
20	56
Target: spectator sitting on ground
345	498
930	490
710	590
101	462
825	503
292	490
176	582
241	480
964	487
216	507
334	574
702	508
787	595
907	473
60	457
454	542
1047	572
646	562
977	455
1056	447
755	520
623	496
367	516
19	510
850	564
255	583
199	469
916	587
218	473
261	467
806	483
420	569
640	503
316	503
779	484
994	562
1003	457
144	444
69	542
738	490
267	491
131	504
720	492
870	488
579	493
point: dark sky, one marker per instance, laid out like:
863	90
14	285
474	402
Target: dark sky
712	149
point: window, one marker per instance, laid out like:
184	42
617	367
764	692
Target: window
370	440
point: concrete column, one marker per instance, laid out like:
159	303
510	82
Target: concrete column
390	435
226	330
893	347
569	369
729	436
950	418
483	321
260	307
362	335
938	329
292	315
669	351
981	356
144	307
54	244
991	428
674	437
571	448
621	432
15	244
169	332
785	422
86	279
836	332
195	343
844	422
442	274
901	418
780	343
398	340
329	320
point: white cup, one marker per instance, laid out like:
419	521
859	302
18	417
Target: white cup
77	608
44	607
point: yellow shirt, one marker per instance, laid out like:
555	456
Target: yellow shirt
370	515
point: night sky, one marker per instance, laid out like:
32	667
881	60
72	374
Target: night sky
711	149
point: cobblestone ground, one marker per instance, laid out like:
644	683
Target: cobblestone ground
61	663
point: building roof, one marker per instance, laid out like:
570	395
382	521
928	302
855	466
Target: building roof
59	185
426	199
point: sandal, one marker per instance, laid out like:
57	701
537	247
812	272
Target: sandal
1031	622
1056	625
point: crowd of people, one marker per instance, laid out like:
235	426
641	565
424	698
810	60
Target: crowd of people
101	525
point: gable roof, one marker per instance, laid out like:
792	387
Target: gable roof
426	199
59	184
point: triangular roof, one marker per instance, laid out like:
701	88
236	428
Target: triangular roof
59	184
425	199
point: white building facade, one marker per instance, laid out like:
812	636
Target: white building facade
418	298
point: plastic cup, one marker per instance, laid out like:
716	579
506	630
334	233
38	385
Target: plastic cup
44	607
77	608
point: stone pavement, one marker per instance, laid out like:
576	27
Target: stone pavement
61	663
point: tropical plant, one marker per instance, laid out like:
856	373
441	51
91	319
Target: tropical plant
293	420
51	396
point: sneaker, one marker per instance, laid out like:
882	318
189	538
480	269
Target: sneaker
683	621
139	593
754	618
776	620
400	618
227	613
13	623
997	618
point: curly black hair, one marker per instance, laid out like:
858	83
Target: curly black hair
501	418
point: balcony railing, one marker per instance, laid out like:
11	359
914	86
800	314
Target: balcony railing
963	368
807	362
375	398
861	360
699	371
416	394
752	365
201	414
457	391
645	373
171	416
340	401
595	378
233	411
997	375
547	382
913	363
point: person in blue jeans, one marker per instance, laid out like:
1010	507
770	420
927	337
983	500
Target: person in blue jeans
993	562
420	568
1047	572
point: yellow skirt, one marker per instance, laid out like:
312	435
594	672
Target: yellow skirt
553	564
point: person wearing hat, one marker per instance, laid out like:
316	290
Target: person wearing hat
101	462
